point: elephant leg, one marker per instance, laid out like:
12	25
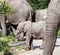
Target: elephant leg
42	36
42	45
31	43
49	45
51	33
28	38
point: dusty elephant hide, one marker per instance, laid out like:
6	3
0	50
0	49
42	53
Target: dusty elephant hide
23	12
36	29
52	25
41	14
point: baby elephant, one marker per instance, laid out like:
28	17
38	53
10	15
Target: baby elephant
35	29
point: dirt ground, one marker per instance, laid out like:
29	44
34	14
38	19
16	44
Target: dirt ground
37	51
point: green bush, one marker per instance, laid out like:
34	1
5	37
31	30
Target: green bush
0	34
58	32
5	9
4	46
5	42
39	4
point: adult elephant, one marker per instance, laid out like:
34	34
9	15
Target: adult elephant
52	24
40	14
23	11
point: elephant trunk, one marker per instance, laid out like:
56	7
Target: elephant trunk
51	33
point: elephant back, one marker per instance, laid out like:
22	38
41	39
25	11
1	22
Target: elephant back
22	11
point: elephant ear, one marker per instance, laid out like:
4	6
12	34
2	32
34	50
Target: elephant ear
20	27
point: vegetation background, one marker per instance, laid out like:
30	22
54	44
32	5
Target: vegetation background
6	9
39	4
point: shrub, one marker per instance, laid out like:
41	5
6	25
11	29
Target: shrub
4	46
5	9
5	42
39	4
58	32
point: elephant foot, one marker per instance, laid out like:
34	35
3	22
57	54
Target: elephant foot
41	47
27	48
21	39
32	48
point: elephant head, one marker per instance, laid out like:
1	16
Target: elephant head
19	32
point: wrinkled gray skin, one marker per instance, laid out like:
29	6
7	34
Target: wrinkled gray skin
52	25
19	36
41	14
23	12
35	29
